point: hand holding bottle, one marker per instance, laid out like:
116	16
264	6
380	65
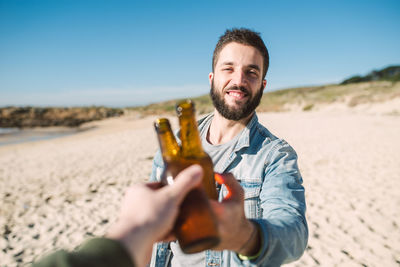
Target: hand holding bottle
237	233
148	215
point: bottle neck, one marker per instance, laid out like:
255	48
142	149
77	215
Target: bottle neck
190	137
169	147
166	139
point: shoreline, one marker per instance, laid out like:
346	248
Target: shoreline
32	134
11	136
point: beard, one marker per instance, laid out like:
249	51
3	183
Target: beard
241	111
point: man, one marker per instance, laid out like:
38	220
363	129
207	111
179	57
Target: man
272	229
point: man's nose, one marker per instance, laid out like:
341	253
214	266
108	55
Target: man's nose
239	78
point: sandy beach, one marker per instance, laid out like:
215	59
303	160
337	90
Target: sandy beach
57	193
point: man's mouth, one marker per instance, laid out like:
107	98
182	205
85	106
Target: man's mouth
236	94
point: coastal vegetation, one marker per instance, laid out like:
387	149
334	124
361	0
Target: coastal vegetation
375	87
304	98
391	73
22	117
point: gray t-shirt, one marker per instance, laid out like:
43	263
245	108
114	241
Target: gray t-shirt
219	154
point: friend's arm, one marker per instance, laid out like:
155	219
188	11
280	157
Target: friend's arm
100	252
147	215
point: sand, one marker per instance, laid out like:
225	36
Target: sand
57	193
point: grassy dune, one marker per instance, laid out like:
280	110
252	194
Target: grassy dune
305	98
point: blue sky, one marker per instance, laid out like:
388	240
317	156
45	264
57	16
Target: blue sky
126	53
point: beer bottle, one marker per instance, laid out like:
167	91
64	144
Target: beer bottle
192	149
195	226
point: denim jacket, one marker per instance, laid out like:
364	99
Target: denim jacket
266	168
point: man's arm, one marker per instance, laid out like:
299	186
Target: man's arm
280	236
283	224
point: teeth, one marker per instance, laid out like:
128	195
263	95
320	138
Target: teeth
236	94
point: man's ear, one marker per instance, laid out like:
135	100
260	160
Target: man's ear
210	77
264	84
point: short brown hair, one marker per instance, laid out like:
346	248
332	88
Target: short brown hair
242	36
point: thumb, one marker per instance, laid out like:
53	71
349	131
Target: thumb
235	191
185	181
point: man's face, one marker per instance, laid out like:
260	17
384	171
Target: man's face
236	84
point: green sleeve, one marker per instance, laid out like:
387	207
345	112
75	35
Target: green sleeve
100	252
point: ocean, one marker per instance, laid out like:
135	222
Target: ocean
10	136
8	130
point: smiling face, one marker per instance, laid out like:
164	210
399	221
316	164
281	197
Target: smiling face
237	84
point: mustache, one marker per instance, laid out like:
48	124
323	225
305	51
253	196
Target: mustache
239	88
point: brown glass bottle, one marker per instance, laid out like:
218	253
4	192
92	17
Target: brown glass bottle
192	149
195	227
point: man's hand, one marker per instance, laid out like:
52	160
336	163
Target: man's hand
237	233
148	213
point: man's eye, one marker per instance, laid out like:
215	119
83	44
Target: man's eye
253	73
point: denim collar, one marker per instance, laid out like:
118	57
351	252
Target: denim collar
244	139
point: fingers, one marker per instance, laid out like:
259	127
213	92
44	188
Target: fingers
184	182
154	185
168	238
235	191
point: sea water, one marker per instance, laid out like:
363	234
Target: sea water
10	136
4	131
